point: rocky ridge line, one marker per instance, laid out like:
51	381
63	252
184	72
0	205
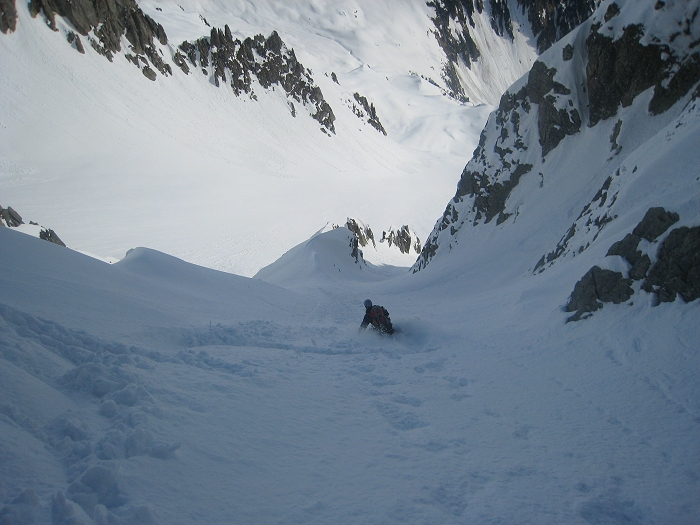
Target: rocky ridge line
617	70
266	59
104	22
454	22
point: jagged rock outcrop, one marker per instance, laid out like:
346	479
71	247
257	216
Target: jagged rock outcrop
555	105
10	218
48	234
266	59
552	19
497	166
403	238
676	271
366	112
454	22
595	288
8	16
363	233
621	69
104	23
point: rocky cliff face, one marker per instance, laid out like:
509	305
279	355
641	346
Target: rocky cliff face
601	96
456	28
103	23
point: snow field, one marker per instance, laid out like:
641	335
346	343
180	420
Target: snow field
88	146
278	410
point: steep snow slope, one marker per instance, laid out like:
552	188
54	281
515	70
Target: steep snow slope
111	160
153	391
602	128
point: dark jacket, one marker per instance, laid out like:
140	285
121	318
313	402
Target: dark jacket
378	317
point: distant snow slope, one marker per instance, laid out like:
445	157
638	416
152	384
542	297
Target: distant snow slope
111	160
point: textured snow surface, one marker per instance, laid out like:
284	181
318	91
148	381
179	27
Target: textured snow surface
155	391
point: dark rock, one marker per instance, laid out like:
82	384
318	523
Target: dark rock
179	61
627	248
540	81
612	11
50	235
614	146
149	73
552	19
677	269
553	123
363	235
334	78
596	287
619	70
568	52
74	39
655	222
110	20
402	239
369	112
640	268
452	20
490	199
8	16
266	59
11	217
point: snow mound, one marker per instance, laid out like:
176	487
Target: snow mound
330	255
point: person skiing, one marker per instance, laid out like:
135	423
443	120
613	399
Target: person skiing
377	317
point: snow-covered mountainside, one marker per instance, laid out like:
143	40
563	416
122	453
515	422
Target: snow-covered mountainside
490	44
600	132
155	391
105	105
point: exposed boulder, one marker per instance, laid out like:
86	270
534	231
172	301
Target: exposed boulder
655	222
568	52
596	287
8	16
149	73
677	269
74	40
12	219
627	248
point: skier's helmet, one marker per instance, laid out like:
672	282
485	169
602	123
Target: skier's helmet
368	303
